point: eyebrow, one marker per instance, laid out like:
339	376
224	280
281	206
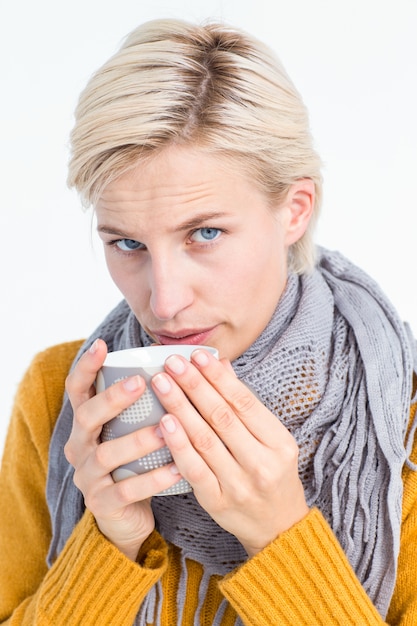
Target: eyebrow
199	219
110	230
189	224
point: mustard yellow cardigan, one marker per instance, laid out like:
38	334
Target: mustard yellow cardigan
303	577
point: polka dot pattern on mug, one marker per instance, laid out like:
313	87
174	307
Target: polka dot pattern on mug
107	433
138	411
154	459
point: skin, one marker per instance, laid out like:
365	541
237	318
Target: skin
191	245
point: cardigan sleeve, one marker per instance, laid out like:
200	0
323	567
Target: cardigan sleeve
304	577
91	582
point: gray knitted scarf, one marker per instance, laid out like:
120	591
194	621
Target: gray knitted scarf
335	365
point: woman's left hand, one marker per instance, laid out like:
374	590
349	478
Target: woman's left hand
240	460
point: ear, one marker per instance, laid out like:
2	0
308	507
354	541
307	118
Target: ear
298	208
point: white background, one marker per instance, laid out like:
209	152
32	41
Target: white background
355	64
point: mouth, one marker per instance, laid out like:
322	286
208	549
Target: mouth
192	337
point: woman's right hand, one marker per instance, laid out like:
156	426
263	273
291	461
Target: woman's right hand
122	510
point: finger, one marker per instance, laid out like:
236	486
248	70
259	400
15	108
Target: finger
80	382
90	416
197	435
104	406
104	497
191	457
144	486
228	366
224	401
263	424
96	468
178	403
112	454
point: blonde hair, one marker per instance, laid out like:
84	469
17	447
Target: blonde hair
209	86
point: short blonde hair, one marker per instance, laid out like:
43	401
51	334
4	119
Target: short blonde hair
209	86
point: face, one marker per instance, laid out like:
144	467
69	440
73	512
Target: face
196	250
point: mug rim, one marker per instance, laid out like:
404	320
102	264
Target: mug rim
150	356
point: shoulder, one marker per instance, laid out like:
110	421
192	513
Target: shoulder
41	390
57	358
37	405
50	367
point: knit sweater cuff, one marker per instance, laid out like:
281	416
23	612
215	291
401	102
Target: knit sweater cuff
303	577
92	582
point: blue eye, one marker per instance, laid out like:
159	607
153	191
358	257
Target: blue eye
202	235
129	245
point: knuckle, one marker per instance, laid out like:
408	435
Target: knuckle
123	491
204	441
92	503
264	478
116	398
177	405
104	456
193	382
69	452
222	418
128	490
161	479
69	382
112	395
291	453
242	496
267	476
195	474
244	401
75	383
81	417
138	442
288	448
77	479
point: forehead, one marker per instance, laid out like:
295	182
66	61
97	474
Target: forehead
177	176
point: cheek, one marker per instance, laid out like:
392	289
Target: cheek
239	281
116	273
261	277
110	259
124	276
134	292
262	262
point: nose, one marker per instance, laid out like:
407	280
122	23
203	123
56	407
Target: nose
170	288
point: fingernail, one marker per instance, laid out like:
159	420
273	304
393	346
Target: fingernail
200	357
169	424
132	383
174	469
162	383
93	348
158	432
175	364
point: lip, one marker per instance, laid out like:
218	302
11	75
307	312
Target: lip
192	337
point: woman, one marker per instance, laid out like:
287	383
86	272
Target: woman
193	147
